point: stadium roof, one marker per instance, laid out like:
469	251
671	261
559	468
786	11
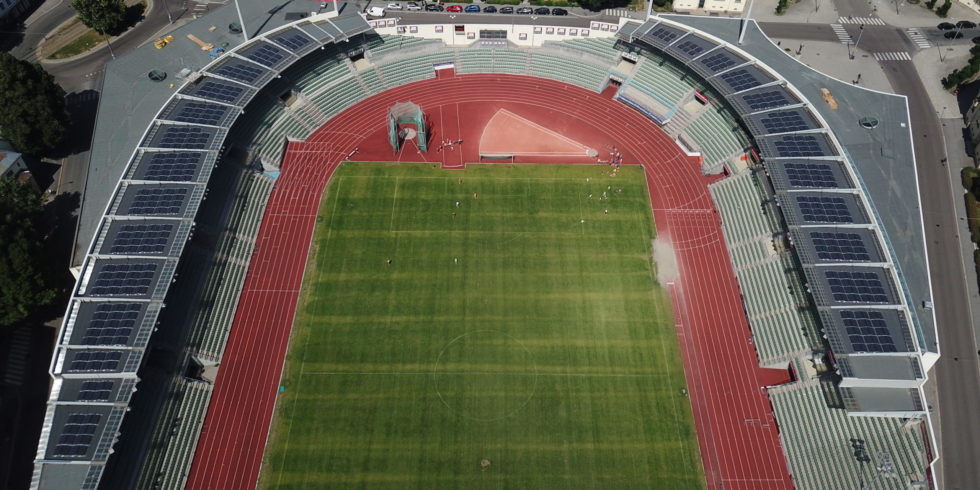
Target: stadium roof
148	220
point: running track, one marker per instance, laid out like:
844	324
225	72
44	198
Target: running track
736	431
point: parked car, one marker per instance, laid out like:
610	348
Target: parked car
525	10
542	11
454	8
945	26
431	7
489	9
472	9
965	24
558	11
953	35
506	10
976	40
394	6
376	12
413	6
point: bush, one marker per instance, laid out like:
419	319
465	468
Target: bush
931	4
970	178
782	6
944	10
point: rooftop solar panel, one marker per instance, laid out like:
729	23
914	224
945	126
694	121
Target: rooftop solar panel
662	35
868	331
741	79
691	47
126	279
112	324
720	61
95	391
77	435
839	245
175	166
824	209
197	112
293	41
158	201
142	239
220	91
811	174
182	137
265	54
785	122
242	71
96	360
799	145
764	99
856	286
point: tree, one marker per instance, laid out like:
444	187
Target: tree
104	16
24	284
33	116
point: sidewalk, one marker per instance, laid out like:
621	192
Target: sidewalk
70	30
931	70
804	11
918	15
830	57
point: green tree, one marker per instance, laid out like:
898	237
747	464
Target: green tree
24	283
33	116
102	15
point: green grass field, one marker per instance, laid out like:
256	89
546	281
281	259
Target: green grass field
513	332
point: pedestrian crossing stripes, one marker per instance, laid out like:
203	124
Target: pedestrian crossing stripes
617	12
918	38
893	56
842	34
868	21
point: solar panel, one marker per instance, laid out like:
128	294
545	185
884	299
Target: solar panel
158	201
824	209
96	361
784	122
720	61
188	137
172	166
739	80
130	279
665	35
766	99
141	239
197	112
95	391
239	70
798	145
868	331
690	48
214	90
293	42
839	246
818	175
77	434
265	54
856	286
112	324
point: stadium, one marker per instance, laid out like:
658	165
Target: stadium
323	257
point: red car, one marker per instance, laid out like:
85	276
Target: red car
454	8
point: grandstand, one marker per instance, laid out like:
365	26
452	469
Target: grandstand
781	208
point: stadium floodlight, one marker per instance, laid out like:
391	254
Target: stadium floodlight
240	20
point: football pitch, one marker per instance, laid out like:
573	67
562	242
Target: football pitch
493	327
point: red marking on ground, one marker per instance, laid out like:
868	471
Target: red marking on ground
737	434
507	133
773	377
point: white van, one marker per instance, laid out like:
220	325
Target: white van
376	12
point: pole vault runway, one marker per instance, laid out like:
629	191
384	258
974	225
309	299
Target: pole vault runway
737	434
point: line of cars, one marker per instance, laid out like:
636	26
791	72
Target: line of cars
475	9
955	34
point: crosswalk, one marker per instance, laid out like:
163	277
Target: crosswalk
617	12
916	36
842	34
868	21
893	56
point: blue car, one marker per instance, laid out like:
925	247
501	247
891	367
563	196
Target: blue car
472	8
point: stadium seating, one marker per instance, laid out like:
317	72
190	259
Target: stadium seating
719	139
601	47
587	76
393	43
827	449
774	298
412	68
658	77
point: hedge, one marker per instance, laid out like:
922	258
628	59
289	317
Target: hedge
970	177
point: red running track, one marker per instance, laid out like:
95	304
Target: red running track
737	434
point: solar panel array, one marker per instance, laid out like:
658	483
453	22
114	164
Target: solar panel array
716	61
824	209
740	79
839	245
810	174
868	331
691	47
117	301
126	279
761	99
96	391
662	35
77	435
784	121
796	145
856	286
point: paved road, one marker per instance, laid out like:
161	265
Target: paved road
957	374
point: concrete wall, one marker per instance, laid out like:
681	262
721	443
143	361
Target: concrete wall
521	35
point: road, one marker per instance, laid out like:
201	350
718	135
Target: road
957	374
